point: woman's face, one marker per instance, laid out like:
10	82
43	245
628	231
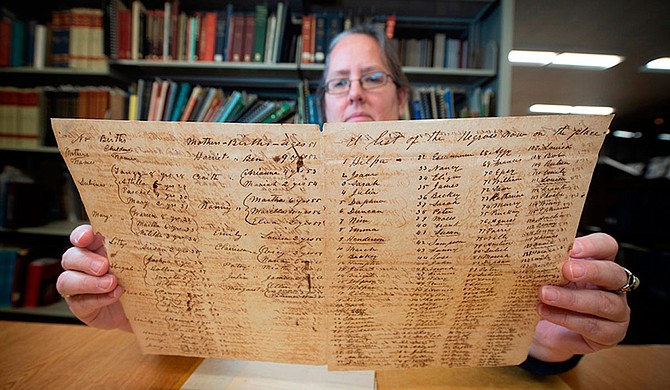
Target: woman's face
355	56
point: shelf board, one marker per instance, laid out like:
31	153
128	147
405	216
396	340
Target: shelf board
417	74
28	76
158	64
57	312
232	74
287	74
54	71
54	228
30	149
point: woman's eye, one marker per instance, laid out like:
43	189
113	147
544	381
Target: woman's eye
374	78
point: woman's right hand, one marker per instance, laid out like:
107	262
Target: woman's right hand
89	290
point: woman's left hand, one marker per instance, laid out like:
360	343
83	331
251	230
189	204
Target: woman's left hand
585	315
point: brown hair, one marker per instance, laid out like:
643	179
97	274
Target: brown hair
388	53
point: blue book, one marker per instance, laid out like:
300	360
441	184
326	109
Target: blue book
229	24
227	109
30	43
180	103
416	105
449	102
169	104
312	109
8	258
220	38
18	43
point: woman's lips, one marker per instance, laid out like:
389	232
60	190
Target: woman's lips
359	117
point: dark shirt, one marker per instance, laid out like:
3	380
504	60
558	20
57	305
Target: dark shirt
538	367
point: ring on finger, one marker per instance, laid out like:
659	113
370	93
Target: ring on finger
631	284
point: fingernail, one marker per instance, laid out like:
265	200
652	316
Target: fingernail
96	266
577	270
75	239
576	248
105	282
549	294
116	292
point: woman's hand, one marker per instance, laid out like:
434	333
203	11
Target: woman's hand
89	290
585	315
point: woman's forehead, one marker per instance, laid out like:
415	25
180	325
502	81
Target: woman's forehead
356	52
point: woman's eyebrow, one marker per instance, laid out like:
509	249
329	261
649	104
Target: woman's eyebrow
371	69
343	72
364	70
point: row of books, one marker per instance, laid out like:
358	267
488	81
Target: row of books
443	103
266	35
26	280
438	52
22	116
74	38
24	111
225	34
168	100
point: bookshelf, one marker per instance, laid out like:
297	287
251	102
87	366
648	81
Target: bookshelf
421	33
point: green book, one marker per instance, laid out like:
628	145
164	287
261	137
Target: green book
280	112
259	35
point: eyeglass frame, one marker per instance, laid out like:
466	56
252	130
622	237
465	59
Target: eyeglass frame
387	77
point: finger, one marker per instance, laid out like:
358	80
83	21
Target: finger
83	237
557	339
595	303
596	331
599	246
604	274
83	260
87	307
72	283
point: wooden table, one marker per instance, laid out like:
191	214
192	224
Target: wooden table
50	356
35	355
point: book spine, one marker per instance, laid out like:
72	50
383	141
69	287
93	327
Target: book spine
238	38
306	57
260	34
248	45
220	38
320	38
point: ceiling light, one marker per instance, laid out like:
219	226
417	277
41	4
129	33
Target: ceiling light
596	110
664	137
531	57
566	109
626	134
662	63
550	108
548	58
602	61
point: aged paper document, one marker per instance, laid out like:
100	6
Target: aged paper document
214	231
365	246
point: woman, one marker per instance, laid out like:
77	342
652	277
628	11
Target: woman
363	81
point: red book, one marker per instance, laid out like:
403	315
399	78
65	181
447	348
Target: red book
306	33
390	26
192	100
41	282
249	31
238	37
124	20
5	41
208	37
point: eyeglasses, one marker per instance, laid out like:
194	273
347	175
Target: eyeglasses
368	81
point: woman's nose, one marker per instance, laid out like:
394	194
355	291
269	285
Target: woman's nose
356	91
